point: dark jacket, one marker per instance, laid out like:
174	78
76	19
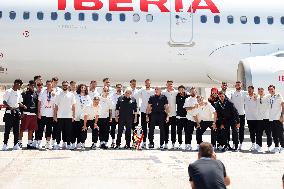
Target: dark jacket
30	100
180	102
226	112
126	107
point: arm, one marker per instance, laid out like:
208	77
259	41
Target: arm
135	111
39	109
73	112
192	185
96	121
55	113
85	123
227	180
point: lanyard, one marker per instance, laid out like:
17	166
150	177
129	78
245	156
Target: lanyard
271	101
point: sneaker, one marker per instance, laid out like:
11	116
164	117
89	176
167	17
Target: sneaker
48	146
151	146
180	147
117	147
112	145
269	149
68	147
104	146
143	146
39	146
166	146
94	146
259	149
17	147
162	147
5	147
275	150
241	146
73	146
78	146
197	147
34	144
64	145
126	147
252	148
236	148
31	147
188	147
281	150
220	148
173	146
83	146
56	147
21	145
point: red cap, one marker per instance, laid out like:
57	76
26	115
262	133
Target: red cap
214	90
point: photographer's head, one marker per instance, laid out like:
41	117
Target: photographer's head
206	151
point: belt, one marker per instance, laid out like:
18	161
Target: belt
28	113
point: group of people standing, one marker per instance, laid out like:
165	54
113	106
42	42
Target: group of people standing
66	114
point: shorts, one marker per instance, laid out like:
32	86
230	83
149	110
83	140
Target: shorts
29	122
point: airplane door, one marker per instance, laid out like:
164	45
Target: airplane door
181	23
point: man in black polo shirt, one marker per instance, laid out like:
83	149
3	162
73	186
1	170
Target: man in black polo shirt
207	172
158	107
125	108
181	115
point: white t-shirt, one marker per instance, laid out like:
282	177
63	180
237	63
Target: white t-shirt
91	112
57	90
263	107
238	99
250	108
65	101
114	97
189	103
135	94
275	108
47	103
111	90
13	98
145	95
81	103
171	96
106	105
205	112
94	94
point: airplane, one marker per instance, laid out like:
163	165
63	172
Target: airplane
201	42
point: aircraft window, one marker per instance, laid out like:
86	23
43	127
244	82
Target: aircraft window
67	16
122	17
230	19
149	18
12	15
282	20
270	20
26	15
81	16
203	19
0	14
54	16
108	17
95	16
216	19
136	17
244	19
40	15
257	20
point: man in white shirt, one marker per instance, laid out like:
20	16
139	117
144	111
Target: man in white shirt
12	100
56	89
206	116
93	91
263	107
45	113
73	87
171	94
145	94
135	94
114	97
64	115
276	113
251	115
238	99
106	83
191	106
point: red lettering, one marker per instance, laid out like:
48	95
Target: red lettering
78	5
61	4
178	5
283	78
144	5
113	5
209	6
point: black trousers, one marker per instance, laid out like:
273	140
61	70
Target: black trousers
191	126
172	123
128	123
50	127
144	125
95	132
112	128
242	128
135	124
65	127
76	132
103	124
11	121
277	133
40	129
201	130
157	119
263	125
252	125
224	134
182	124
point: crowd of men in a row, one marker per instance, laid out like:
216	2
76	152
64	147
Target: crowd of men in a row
66	113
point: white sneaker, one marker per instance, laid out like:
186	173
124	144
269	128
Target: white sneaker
252	148
241	146
73	146
259	149
180	147
34	143
166	146
48	146
269	149
281	150
275	150
64	145
83	146
188	147
68	147
56	147
39	146
197	147
5	147
78	146
17	147
173	145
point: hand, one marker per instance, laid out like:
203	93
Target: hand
25	107
116	119
84	128
96	126
110	120
147	119
39	116
198	126
167	119
281	118
238	126
135	119
73	119
214	126
222	127
55	119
